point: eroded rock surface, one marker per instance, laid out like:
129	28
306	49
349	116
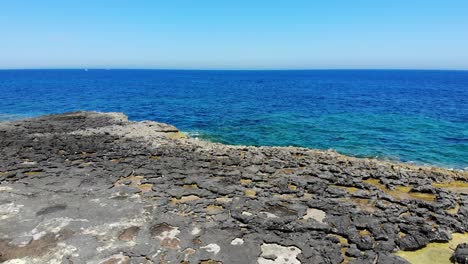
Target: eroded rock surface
96	188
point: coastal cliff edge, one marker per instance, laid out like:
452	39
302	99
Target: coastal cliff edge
88	187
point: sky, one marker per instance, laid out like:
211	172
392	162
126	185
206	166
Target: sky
240	34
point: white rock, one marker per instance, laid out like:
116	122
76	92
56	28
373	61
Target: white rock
212	248
237	241
269	215
5	188
9	210
316	214
277	254
195	231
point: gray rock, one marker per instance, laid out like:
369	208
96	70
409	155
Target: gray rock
461	254
91	187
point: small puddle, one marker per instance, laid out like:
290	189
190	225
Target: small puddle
176	135
454	210
213	208
184	199
349	189
402	192
245	181
250	193
454	186
363	204
280	211
434	252
135	181
190	186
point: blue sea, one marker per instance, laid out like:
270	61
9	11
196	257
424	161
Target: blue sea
410	116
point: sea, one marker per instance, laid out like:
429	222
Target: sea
415	116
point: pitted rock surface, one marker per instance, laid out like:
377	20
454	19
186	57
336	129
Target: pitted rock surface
90	187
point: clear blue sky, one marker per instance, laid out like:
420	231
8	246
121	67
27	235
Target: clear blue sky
240	34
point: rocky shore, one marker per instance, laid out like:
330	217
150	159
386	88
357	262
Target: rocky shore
92	187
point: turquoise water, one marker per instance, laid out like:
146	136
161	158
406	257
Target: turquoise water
410	116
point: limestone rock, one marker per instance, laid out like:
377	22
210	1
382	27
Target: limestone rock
89	187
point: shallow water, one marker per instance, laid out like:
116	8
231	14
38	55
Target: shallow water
411	116
434	252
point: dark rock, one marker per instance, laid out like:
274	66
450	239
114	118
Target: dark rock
353	251
51	209
66	195
412	241
461	254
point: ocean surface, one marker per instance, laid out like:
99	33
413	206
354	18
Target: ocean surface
409	116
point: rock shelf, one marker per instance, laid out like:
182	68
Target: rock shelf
91	187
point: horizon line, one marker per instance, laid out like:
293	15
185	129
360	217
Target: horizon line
235	69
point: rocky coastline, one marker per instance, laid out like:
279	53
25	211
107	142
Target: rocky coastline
90	187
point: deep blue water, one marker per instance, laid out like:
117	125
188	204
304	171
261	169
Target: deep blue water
412	116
